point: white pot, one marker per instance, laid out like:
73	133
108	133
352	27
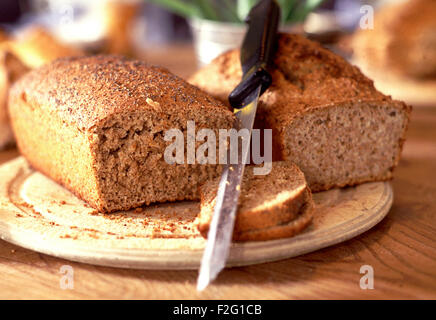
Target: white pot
211	38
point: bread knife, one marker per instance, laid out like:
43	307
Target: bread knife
257	51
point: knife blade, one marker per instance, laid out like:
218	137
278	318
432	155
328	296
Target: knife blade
257	51
223	220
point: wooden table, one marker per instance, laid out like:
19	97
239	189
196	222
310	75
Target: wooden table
401	249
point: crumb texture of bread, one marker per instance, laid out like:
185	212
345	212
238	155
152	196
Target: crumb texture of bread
97	124
325	115
271	206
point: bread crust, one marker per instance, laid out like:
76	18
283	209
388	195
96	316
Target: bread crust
84	91
306	77
286	230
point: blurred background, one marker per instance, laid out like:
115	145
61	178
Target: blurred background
153	21
392	41
131	27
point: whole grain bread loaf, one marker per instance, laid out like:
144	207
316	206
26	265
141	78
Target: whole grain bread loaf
272	206
325	115
97	124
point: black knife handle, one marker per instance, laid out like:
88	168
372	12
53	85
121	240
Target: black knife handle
257	51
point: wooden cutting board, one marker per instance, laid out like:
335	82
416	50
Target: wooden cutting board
38	214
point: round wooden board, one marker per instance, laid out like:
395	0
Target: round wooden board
38	214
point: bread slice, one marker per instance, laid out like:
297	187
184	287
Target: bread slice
325	115
97	125
270	206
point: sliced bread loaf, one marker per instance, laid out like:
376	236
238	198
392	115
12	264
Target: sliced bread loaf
97	125
325	115
271	206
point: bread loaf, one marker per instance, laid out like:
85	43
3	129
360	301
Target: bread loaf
325	115
272	206
97	124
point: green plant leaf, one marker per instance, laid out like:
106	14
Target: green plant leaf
207	9
229	11
235	10
300	12
243	7
286	8
185	9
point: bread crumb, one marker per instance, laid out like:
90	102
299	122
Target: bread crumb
154	104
